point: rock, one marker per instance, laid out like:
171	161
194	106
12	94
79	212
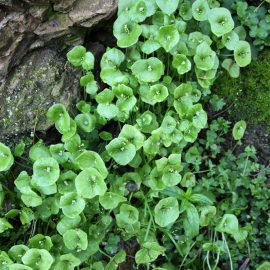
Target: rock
33	34
42	79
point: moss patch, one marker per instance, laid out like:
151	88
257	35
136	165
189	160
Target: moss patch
249	94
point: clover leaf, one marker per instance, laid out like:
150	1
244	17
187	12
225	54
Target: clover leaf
168	6
75	239
38	259
181	63
168	37
121	150
148	70
45	172
200	9
166	211
6	158
126	31
242	53
90	183
72	204
239	130
220	20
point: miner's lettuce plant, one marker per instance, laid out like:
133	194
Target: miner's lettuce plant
129	166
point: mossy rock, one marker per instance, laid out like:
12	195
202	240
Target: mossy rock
250	93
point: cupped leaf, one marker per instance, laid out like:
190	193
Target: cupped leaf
181	63
132	135
230	40
158	93
59	115
18	266
16	252
38	259
205	57
168	37
168	6
72	204
75	239
147	122
148	70
148	253
90	183
111	200
126	31
239	130
40	241
6	158
76	55
58	153
228	224
88	81
112	58
91	159
67	223
166	211
128	215
200	9
221	21
88	61
185	10
67	262
198	116
86	122
121	150
242	53
45	172
4	225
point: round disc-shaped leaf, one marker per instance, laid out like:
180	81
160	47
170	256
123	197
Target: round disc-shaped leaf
200	9
221	21
168	37
75	239
66	182
168	6
41	242
17	251
185	10
67	223
45	172
72	204
158	93
166	211
111	200
239	130
59	115
88	61
121	150
133	135
230	40
148	70
231	67
242	53
228	224
112	58
86	122
38	259
90	183
181	63
6	158
147	122
128	215
205	57
76	55
67	262
126	31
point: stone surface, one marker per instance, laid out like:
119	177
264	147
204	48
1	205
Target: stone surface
34	38
42	79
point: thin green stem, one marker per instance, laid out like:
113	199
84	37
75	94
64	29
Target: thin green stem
228	250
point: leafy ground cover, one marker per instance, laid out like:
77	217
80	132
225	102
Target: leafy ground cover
142	177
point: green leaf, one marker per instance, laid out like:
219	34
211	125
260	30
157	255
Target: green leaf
112	58
147	122
76	55
88	81
192	220
168	6
90	159
207	215
58	153
6	158
88	61
148	253
17	266
16	252
45	172
121	150
230	40
111	200
38	259
72	204
4	225
181	63
228	224
67	223
168	37
231	67
40	241
90	183
242	53
205	57
67	262
116	260
158	93
185	10
265	265
86	122
166	211
126	31
148	70
128	215
132	135
75	239
221	21
200	9
19	149
239	130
